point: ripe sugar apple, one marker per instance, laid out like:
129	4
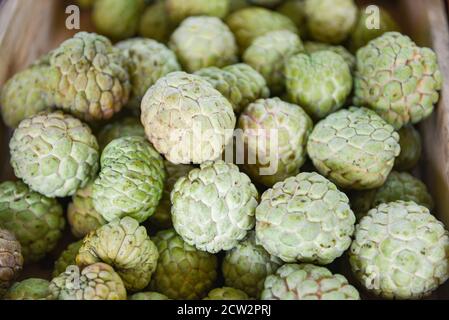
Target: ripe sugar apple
148	296
239	83
397	79
178	10
54	153
131	180
312	47
273	158
320	83
400	251
268	54
213	206
97	281
226	293
183	272
307	282
246	266
330	21
295	11
147	60
411	148
11	259
201	42
124	245
125	127
36	221
355	148
155	22
67	258
90	76
29	289
305	218
186	119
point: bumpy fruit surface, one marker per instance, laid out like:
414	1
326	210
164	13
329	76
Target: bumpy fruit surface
311	47
213	206
307	282
178	10
295	11
201	42
67	258
124	245
239	83
355	148
226	293
29	289
320	83
97	281
11	259
400	251
278	156
246	266
268	54
397	79
36	221
125	127
411	148
186	119
54	153
148	296
183	272
305	218
131	180
155	22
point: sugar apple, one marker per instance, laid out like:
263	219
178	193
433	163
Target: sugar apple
355	148
295	11
124	245
155	22
178	10
320	82
397	79
11	259
400	251
36	221
131	180
67	258
213	206
268	54
183	272
307	282
54	153
235	5
125	127
246	266
411	148
226	293
29	289
273	158
148	296
186	119
311	47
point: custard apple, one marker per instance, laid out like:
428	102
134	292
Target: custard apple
226	293
411	148
155	22
11	259
311	47
178	10
125	127
148	296
295	11
67	258
29	289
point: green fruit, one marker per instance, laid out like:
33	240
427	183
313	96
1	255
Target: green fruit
306	219
97	281
11	259
155	22
201	42
183	272
312	47
125	246
36	221
266	3
178	10
54	153
125	127
246	266
273	158
204	118
235	5
131	180
307	282
397	79
29	289
400	251
295	11
67	258
213	206
226	293
320	83
268	54
411	148
355	148
148	296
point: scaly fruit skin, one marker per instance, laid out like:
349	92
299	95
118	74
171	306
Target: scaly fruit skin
125	127
67	258
125	246
397	79
90	77
226	293
148	296
147	61
239	83
320	83
295	11
249	23
246	266
36	221
155	22
201	42
307	282
54	153
411	148
213	206
268	54
29	289
117	19
204	118
97	281
131	180
305	218
183	272
355	148
179	10
279	159
400	251
330	21
11	259
311	47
